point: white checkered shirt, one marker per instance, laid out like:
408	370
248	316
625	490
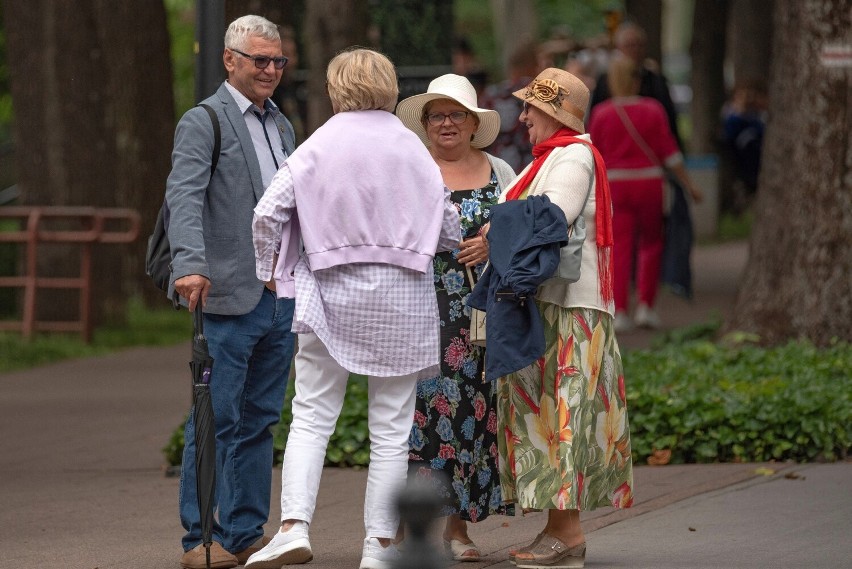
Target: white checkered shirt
374	318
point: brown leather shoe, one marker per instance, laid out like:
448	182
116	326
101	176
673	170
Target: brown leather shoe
196	558
242	556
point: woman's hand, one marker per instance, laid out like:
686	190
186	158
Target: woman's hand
473	250
695	192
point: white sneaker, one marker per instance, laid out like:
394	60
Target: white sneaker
623	323
375	556
286	548
645	317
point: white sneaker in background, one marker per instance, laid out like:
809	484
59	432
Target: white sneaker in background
286	548
623	323
645	317
374	556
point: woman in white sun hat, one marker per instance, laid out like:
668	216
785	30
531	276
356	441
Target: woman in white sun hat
455	422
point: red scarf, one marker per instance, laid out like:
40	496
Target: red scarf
603	210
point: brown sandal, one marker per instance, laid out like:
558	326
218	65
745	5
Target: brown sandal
551	553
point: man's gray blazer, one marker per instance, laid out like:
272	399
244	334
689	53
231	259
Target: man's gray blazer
210	217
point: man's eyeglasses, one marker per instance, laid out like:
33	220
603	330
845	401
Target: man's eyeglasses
456	117
261	61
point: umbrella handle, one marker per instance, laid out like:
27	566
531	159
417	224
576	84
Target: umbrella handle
198	319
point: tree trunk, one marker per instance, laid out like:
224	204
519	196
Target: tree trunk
797	282
64	139
91	85
708	81
751	39
648	15
330	26
281	12
749	56
141	115
515	23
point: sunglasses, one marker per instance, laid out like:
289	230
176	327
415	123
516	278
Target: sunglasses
261	61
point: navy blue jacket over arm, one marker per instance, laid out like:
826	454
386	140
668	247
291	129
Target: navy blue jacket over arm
524	242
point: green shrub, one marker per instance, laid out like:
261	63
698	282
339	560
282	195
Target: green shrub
737	402
705	401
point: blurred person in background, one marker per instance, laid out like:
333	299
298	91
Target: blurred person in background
631	42
633	135
512	143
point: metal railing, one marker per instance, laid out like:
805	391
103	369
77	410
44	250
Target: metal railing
34	229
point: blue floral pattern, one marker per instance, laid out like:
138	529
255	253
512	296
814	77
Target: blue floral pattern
455	423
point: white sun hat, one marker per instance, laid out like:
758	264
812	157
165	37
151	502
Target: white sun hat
458	89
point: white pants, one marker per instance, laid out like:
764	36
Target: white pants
320	388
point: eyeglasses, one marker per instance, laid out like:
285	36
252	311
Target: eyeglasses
456	117
261	61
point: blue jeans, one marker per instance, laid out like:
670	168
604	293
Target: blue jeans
252	355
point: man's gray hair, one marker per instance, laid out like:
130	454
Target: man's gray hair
250	26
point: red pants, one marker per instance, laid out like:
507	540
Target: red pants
637	226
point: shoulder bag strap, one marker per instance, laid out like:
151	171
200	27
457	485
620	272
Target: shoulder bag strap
634	134
217	136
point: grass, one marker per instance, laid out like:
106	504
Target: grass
145	327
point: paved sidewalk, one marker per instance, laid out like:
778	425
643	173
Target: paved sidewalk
82	484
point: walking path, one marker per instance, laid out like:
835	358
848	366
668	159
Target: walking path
82	481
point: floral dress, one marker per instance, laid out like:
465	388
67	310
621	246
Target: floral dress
565	437
453	441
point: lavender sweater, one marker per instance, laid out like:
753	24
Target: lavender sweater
367	191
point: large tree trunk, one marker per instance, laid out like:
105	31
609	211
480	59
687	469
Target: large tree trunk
281	12
749	55
330	26
91	85
797	282
648	15
515	24
64	138
708	81
141	113
751	39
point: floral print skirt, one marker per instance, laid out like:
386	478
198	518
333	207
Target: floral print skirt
564	435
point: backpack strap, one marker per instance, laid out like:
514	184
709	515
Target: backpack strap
217	136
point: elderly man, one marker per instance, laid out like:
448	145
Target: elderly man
632	42
211	201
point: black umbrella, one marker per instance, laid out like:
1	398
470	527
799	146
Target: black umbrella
205	430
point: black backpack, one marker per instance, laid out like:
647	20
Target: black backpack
158	258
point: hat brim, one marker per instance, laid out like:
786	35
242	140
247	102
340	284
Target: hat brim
562	117
410	111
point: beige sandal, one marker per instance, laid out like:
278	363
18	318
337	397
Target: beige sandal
551	553
514	552
458	549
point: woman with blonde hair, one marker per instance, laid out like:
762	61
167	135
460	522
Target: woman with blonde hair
367	202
